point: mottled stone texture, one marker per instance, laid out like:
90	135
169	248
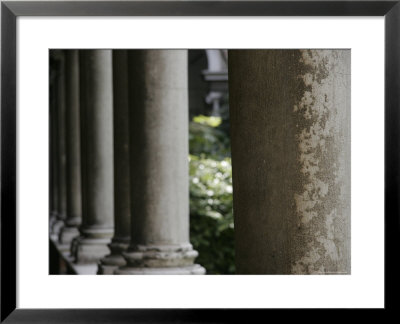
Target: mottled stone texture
290	129
158	112
122	210
73	167
96	104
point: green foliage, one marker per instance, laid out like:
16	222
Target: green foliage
207	141
212	121
210	170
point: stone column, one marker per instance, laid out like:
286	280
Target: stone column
74	204
96	104
61	145
53	156
158	96
290	126
122	210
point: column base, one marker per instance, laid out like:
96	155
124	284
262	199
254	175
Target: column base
56	227
110	263
74	245
89	250
67	234
115	259
106	269
194	269
52	220
161	259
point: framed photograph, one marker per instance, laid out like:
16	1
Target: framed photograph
191	161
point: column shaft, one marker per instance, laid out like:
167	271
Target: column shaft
96	155
290	126
53	156
122	210
61	146
73	182
159	164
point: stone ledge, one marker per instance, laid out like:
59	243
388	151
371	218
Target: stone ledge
72	268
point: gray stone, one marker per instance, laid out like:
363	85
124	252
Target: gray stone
159	172
115	259
56	226
290	132
96	155
122	210
61	144
73	165
53	143
194	269
67	234
90	250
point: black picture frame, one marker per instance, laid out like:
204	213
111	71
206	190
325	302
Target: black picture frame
10	10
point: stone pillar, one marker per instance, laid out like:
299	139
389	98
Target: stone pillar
61	145
95	68
74	204
158	96
290	133
122	210
53	156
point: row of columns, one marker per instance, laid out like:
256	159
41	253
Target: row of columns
119	147
290	135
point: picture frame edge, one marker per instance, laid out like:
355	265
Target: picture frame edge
10	11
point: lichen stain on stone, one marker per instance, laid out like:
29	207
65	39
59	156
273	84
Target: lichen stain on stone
315	113
327	241
306	264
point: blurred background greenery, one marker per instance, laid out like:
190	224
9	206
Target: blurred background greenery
210	170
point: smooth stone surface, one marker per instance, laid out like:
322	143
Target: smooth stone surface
159	146
84	269
97	139
53	140
78	269
56	227
194	269
67	234
73	154
52	220
122	204
90	250
96	115
159	173
61	138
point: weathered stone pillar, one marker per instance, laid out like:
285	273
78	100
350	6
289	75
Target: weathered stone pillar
74	204
290	126
96	104
122	210
159	164
61	144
